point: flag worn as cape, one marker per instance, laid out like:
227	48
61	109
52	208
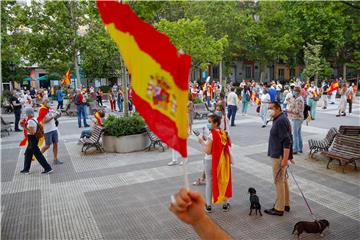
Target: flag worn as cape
42	113
159	74
253	96
221	169
23	123
333	87
98	119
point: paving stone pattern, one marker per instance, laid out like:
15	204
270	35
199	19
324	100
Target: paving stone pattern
115	196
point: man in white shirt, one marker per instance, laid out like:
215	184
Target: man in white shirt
50	131
232	106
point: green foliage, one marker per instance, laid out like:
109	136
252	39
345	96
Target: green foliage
105	89
197	100
124	126
191	37
315	65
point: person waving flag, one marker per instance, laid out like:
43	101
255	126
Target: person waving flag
159	74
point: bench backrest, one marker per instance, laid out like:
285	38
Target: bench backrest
350	130
346	145
331	135
96	134
152	135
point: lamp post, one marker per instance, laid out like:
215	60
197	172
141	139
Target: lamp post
12	68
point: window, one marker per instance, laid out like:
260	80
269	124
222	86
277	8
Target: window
248	72
281	74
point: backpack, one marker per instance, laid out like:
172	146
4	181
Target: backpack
39	130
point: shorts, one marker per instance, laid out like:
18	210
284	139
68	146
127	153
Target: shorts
51	137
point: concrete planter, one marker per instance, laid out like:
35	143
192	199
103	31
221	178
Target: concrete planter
126	144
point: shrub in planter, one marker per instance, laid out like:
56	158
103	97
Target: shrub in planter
124	126
105	89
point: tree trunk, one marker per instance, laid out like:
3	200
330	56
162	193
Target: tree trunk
344	72
220	73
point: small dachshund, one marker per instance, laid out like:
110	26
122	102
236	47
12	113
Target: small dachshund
254	201
311	227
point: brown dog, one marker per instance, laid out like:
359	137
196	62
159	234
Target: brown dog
310	227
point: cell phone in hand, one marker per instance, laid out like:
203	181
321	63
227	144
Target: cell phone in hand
196	132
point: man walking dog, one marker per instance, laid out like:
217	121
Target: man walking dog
280	150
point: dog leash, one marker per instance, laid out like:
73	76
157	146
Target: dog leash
302	194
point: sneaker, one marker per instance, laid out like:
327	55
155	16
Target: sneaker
58	162
87	125
226	207
263	126
172	163
47	172
208	208
24	172
350	114
338	115
82	140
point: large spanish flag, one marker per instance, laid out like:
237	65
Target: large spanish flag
66	80
334	86
159	74
221	167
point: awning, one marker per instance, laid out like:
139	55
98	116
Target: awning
42	78
27	79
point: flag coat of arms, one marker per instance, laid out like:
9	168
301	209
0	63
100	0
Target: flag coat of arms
159	74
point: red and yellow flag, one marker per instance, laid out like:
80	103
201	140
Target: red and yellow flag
315	93
221	169
334	86
66	79
159	74
257	101
98	119
253	96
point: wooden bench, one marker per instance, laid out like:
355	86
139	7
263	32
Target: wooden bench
200	110
5	126
345	149
94	139
350	130
323	144
154	140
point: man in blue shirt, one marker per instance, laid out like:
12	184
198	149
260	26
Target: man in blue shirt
60	98
272	92
280	150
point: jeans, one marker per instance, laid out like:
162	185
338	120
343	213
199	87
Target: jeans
60	105
81	112
312	105
85	133
208	180
208	101
17	113
297	138
231	113
120	104
33	149
244	107
263	113
325	100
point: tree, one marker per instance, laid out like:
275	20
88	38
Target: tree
191	37
315	65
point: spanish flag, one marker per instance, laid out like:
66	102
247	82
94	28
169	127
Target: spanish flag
221	169
315	93
333	87
253	96
159	74
257	101
66	80
98	119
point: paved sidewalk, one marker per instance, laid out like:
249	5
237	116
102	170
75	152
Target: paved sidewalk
126	196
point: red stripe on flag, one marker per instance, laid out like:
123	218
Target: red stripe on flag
149	40
166	131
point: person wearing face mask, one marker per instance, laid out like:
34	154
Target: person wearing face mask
47	117
280	150
220	111
313	97
217	163
265	99
296	116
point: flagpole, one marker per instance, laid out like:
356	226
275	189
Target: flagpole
186	178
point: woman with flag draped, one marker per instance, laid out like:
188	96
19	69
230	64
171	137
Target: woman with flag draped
98	120
217	165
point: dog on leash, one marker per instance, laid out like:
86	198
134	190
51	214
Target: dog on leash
311	227
254	201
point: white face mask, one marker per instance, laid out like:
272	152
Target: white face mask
271	113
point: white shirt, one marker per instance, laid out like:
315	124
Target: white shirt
209	157
287	97
32	123
50	126
232	99
265	98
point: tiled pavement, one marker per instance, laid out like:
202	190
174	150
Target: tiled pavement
125	196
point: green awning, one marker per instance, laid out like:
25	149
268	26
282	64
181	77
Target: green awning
42	78
27	79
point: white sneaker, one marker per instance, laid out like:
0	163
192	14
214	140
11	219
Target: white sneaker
172	163
349	114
